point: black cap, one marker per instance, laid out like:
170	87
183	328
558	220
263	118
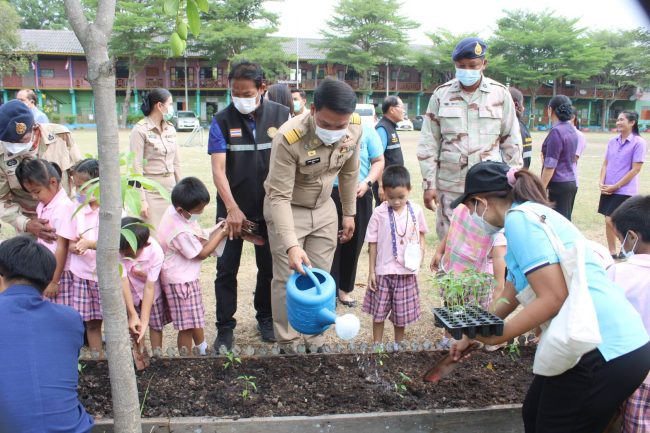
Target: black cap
16	120
487	176
469	48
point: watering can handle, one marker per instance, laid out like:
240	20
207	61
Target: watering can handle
313	277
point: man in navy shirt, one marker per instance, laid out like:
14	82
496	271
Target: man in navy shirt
40	346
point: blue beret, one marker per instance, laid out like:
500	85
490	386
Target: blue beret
16	120
469	48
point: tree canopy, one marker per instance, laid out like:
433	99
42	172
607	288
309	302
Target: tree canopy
10	61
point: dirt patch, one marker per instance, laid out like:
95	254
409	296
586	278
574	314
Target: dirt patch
314	385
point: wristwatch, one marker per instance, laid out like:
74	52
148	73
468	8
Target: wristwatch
369	184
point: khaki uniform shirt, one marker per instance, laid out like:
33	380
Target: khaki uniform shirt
302	170
55	145
156	151
460	130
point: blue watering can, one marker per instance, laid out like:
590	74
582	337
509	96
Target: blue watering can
311	305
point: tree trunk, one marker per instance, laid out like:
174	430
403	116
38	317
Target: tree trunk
127	96
533	98
101	75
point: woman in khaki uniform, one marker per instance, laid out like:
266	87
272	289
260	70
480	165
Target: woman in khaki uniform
153	141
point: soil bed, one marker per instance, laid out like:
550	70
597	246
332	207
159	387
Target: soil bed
314	385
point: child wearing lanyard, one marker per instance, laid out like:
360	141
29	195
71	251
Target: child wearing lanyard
396	242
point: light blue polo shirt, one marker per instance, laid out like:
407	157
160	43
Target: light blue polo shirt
370	149
529	248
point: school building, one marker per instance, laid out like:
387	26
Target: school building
58	75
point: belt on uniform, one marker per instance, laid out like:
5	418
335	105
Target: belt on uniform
168	174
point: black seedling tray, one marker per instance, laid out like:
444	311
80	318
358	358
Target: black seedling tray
472	321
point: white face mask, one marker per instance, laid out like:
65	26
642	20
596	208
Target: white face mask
628	254
245	105
329	136
194	218
480	221
18	148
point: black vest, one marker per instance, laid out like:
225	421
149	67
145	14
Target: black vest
247	157
526	144
393	153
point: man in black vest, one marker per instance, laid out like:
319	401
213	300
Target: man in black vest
526	139
240	146
393	110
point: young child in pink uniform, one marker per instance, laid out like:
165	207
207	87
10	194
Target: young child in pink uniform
632	222
145	302
82	229
185	246
42	180
396	243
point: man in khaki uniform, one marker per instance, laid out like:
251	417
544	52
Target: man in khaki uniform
469	119
23	139
308	153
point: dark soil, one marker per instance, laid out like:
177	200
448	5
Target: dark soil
314	385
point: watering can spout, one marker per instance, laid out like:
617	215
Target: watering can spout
326	317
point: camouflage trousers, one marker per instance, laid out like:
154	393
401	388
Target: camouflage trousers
444	211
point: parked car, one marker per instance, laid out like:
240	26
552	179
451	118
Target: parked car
417	122
367	113
405	125
185	120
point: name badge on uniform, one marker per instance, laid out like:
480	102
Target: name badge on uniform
235	132
11	162
311	153
313	161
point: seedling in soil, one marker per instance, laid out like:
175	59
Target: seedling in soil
514	351
249	385
381	355
231	361
400	387
80	367
146	394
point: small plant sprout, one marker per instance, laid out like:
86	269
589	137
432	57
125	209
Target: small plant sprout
513	350
231	361
469	287
400	387
80	367
249	385
380	351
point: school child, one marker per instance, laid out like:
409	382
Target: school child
396	246
145	302
185	245
82	229
42	180
632	223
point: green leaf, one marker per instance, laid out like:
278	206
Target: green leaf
130	238
181	29
170	7
176	44
132	201
193	19
203	5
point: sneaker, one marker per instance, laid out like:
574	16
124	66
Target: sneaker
266	331
225	337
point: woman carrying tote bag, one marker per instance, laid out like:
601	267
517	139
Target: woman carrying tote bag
595	352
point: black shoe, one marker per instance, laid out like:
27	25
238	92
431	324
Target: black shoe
266	331
225	338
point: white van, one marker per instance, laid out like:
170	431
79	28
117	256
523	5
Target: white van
367	113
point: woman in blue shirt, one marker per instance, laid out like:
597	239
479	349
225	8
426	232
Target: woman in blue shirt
585	397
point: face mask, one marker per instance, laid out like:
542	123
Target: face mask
194	218
628	254
245	105
18	148
169	114
480	221
296	106
81	198
330	137
468	77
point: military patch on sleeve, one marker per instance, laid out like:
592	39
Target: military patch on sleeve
272	131
293	135
355	119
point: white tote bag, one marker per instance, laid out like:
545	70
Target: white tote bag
574	330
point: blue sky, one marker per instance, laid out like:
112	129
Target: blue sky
304	18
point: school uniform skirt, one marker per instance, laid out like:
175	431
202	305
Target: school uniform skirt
159	315
86	299
64	297
185	304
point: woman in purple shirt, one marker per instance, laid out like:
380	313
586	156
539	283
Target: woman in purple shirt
559	152
619	173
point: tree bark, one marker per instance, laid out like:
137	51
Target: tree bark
94	39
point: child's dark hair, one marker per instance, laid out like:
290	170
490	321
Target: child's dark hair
152	98
38	171
633	214
190	193
89	166
139	229
395	176
22	258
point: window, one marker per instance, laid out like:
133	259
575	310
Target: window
121	70
206	73
152	72
46	73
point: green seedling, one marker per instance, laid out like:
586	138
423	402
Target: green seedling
400	387
231	361
381	355
80	367
467	288
514	351
146	394
249	385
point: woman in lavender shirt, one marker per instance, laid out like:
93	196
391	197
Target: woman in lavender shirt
620	171
559	153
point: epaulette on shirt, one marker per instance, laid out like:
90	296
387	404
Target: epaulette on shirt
447	84
293	135
56	128
496	83
142	121
355	119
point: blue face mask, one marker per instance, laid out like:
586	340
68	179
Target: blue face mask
468	77
81	198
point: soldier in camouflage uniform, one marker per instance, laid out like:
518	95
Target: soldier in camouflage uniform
20	139
469	119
